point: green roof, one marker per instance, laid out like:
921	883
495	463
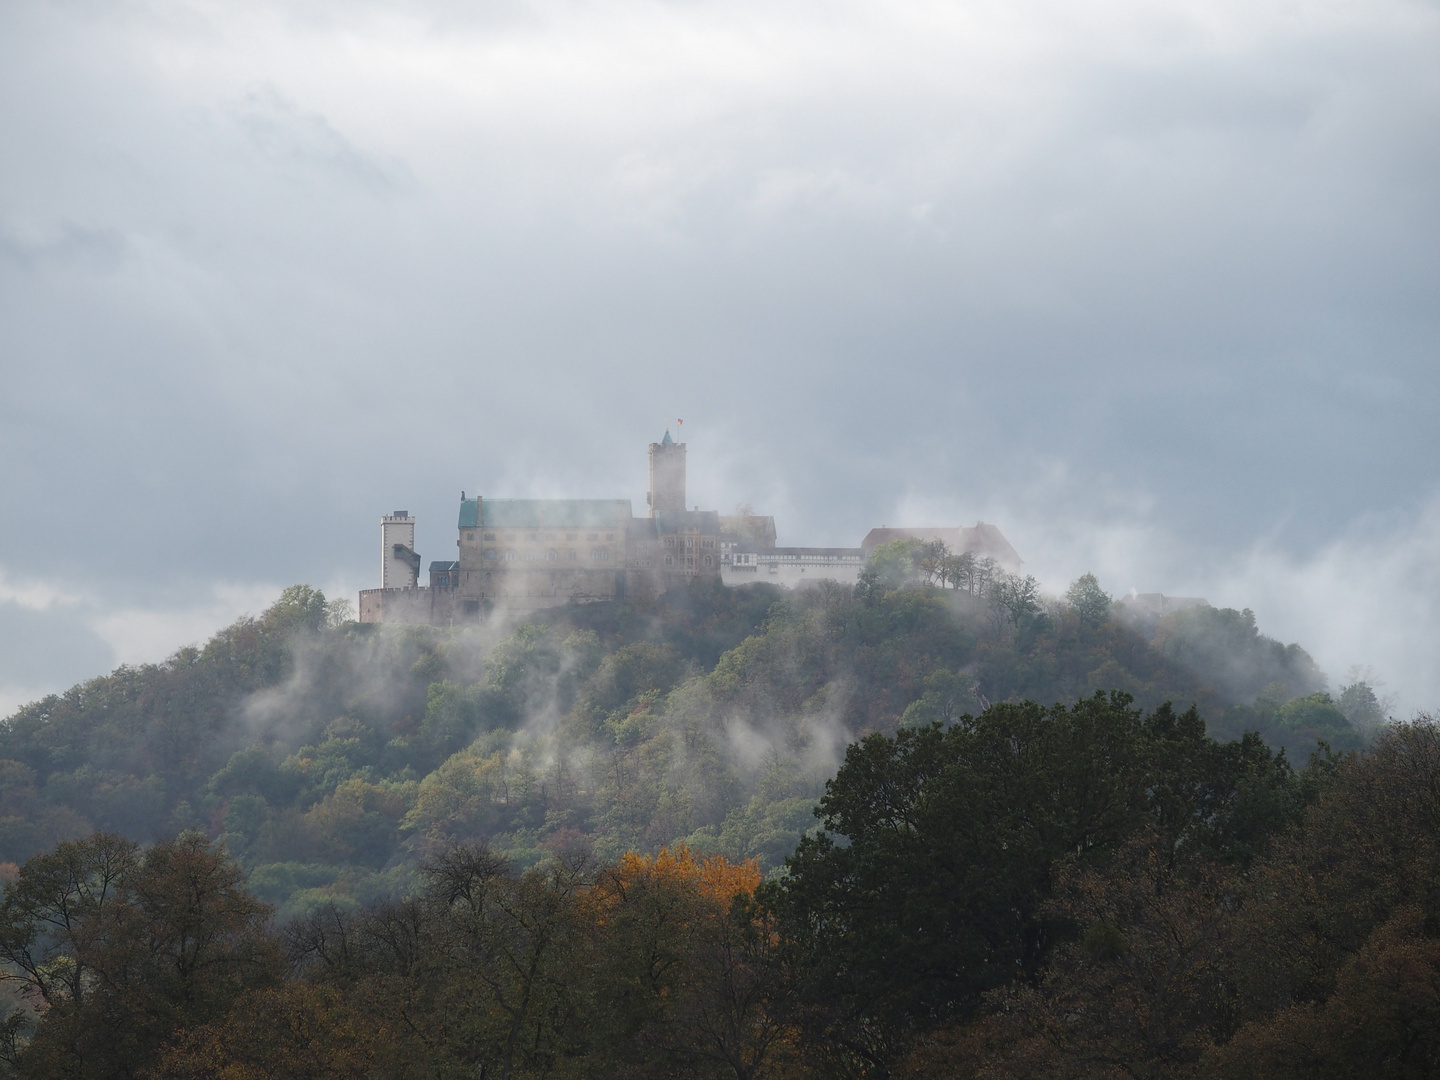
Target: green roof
667	441
559	513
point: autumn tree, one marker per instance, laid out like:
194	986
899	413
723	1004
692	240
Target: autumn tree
1382	1019
115	949
475	969
686	967
298	1031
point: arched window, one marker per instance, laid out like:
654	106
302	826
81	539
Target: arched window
599	554
509	556
669	560
552	556
707	561
490	553
574	555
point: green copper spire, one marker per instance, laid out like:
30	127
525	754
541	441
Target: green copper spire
667	441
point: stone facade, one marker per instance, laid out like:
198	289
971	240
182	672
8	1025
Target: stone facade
427	607
533	553
667	476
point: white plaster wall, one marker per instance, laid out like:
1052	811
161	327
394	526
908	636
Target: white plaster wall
792	575
395	573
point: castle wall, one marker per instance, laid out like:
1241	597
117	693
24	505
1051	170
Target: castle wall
415	605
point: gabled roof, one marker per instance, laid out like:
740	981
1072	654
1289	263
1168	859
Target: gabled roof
557	513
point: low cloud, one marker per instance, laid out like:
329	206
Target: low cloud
140	635
34	595
1369	597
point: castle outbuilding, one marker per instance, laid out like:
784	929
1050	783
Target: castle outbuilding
518	555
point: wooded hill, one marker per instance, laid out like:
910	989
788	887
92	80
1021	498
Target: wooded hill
742	834
330	757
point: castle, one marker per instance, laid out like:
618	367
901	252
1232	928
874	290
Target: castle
519	555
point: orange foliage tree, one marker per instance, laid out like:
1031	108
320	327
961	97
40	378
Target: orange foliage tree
687	968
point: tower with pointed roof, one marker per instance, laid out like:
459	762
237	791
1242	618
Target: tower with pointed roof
667	475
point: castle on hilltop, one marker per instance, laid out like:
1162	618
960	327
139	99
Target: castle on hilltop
524	554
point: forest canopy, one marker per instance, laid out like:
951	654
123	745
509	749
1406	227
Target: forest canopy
1089	890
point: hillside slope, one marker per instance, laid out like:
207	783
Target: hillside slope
329	758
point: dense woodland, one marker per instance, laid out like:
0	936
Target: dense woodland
934	825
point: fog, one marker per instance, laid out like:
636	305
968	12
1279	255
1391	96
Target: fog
1152	288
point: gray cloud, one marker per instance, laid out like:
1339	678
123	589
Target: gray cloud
1105	269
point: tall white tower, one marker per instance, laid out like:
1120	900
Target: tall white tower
399	565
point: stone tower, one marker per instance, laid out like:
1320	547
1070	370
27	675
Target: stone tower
399	565
667	475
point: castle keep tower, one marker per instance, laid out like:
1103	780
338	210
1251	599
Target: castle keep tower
667	475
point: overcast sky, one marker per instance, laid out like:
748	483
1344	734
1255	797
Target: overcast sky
1154	286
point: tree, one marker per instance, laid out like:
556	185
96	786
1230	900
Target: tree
1090	603
686	968
933	561
928	885
475	969
1138	989
1365	710
116	950
1317	714
299	607
1368	845
895	565
1014	601
299	1031
1382	1020
948	696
